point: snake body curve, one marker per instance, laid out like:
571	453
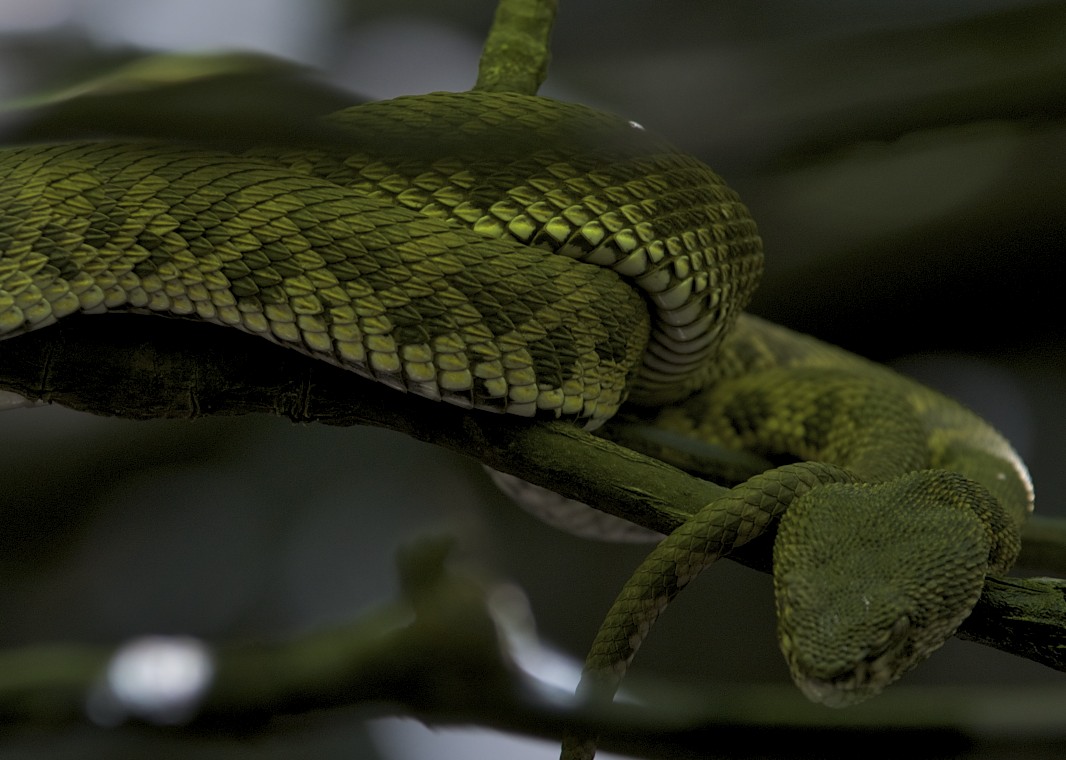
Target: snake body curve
472	248
415	257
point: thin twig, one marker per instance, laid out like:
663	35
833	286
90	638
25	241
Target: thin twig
517	50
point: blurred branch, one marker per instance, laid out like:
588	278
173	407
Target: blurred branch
444	653
1004	64
228	100
797	94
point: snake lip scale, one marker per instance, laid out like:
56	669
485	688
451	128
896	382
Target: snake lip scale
860	679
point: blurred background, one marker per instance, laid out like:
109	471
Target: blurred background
906	162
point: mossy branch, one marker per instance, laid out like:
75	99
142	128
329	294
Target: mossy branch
517	50
145	368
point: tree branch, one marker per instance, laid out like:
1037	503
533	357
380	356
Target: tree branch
143	367
517	50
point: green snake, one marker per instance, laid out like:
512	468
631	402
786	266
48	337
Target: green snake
510	253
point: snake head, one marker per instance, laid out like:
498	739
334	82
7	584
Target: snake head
869	580
845	647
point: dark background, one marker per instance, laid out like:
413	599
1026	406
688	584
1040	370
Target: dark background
905	162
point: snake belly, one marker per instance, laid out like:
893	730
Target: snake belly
466	247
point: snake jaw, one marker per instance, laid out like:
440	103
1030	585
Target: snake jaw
863	678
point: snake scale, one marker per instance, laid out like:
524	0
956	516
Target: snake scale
511	253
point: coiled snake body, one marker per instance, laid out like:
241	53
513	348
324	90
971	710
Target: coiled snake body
416	259
482	248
